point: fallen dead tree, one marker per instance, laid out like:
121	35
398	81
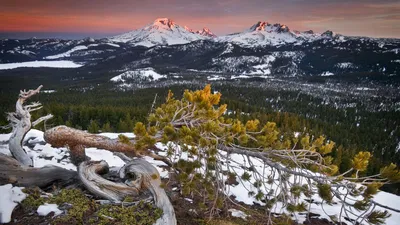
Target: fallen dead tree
13	172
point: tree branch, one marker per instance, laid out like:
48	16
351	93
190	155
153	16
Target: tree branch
41	119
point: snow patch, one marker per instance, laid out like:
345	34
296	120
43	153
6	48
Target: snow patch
327	74
189	200
113	45
145	73
215	77
240	77
345	65
9	199
36	64
67	53
46	209
100	154
48	91
238	213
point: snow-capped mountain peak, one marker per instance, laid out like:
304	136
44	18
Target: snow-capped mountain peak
258	26
265	26
264	33
206	32
163	31
163	23
328	33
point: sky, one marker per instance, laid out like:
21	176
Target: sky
103	18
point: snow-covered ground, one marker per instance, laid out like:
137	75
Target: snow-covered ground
139	74
327	74
35	64
43	154
67	53
45	209
9	199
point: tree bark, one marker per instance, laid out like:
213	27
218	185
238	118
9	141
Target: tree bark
61	136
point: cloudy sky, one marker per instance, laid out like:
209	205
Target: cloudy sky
99	18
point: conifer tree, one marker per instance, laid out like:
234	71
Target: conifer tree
204	146
106	127
93	127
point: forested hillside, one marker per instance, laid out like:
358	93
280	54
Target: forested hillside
353	127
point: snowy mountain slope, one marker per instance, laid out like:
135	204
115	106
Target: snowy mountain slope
126	79
162	32
264	33
67	53
354	56
262	50
12	51
43	154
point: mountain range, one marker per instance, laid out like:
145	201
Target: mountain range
164	31
262	50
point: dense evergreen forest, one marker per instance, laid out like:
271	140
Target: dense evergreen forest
353	129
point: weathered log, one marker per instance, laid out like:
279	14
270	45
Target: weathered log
89	174
61	136
20	122
140	177
13	172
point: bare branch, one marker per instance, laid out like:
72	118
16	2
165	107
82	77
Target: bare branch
24	95
6	126
385	206
41	119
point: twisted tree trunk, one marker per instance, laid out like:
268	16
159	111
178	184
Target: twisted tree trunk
139	175
148	177
90	175
20	122
19	171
